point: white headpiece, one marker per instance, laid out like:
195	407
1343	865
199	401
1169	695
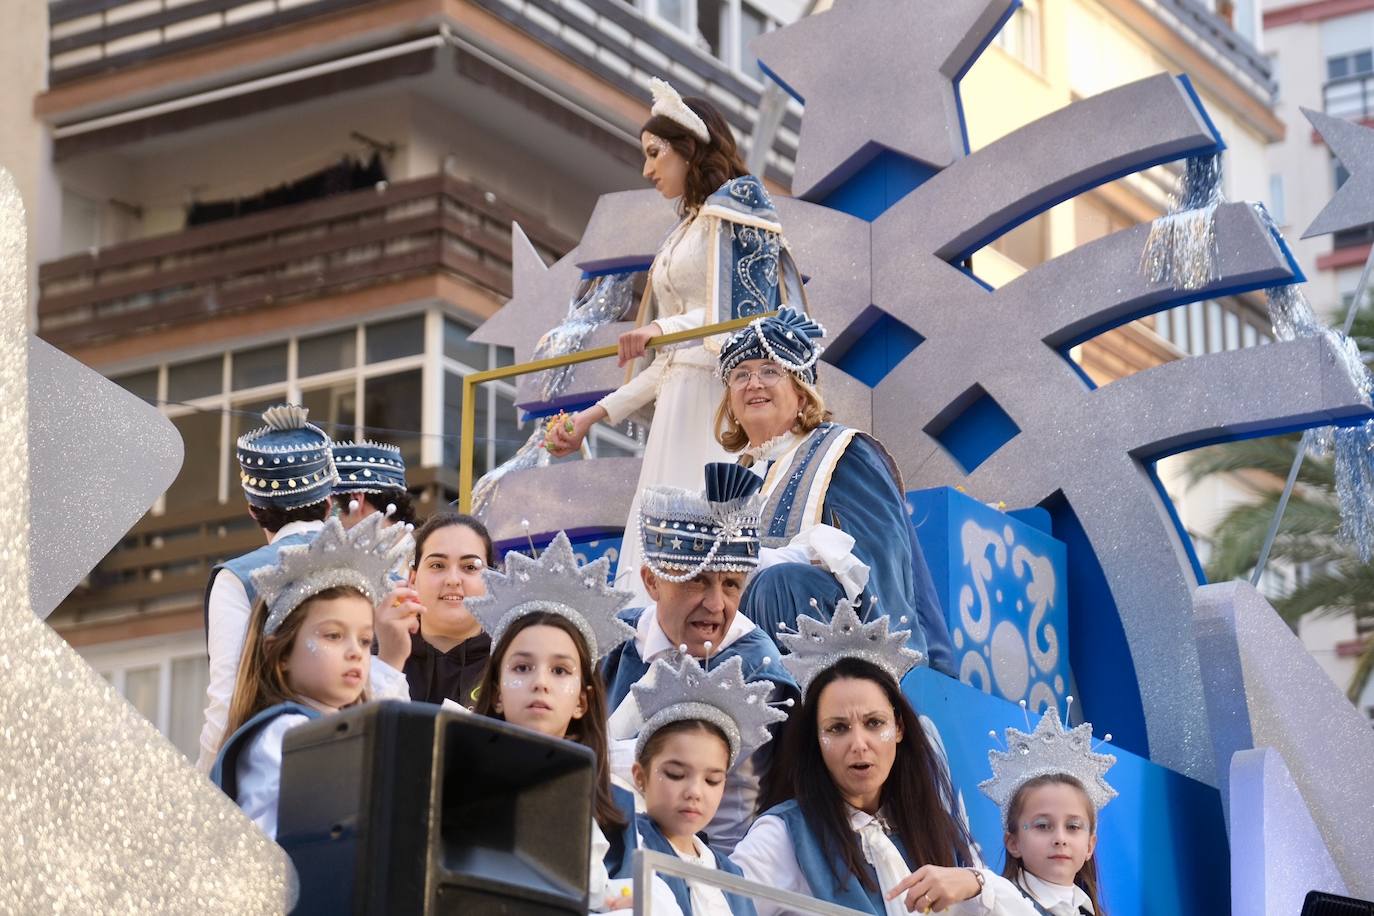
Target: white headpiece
721	696
1049	749
556	584
818	645
669	104
361	557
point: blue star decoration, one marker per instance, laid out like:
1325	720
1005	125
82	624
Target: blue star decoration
852	67
1353	205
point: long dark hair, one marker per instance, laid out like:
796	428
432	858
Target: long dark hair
589	731
710	164
1087	875
917	795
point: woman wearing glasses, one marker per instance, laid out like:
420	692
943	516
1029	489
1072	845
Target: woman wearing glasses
725	259
835	525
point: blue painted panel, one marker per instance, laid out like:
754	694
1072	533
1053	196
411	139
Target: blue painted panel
978	431
873	180
1161	848
878	349
1003	585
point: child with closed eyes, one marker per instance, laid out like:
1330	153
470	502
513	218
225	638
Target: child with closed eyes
307	652
551	620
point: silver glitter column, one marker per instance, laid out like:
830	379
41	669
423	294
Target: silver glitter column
101	814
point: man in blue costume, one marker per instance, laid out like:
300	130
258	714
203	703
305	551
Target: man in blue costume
698	551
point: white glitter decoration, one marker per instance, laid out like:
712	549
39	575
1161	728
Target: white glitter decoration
721	696
557	584
102	814
818	645
1048	749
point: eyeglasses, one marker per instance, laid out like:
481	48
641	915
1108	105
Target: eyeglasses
768	376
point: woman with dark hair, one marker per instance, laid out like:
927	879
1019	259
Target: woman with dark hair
863	801
725	259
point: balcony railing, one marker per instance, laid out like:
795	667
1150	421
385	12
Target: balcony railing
424	225
1349	97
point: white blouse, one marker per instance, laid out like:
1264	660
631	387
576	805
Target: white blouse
259	772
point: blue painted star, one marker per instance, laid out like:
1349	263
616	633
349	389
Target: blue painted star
878	74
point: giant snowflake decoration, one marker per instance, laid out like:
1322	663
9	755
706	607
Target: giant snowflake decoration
982	392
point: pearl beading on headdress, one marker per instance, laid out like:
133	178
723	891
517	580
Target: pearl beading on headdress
1049	749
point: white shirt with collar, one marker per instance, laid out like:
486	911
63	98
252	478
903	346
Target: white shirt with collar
1059	899
226	631
741	785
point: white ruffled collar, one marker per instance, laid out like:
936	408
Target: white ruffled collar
775	447
1048	894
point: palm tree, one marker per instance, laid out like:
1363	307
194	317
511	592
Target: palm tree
1339	582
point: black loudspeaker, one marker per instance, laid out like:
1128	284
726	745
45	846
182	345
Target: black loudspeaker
1322	904
407	808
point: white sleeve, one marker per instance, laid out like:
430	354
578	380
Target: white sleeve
634	394
259	772
824	546
689	320
386	683
999	897
226	627
596	873
766	855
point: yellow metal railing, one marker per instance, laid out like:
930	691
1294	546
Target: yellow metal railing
468	428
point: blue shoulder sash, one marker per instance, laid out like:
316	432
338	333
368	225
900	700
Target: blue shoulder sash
225	771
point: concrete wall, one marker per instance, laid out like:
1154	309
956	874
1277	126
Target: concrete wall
23	147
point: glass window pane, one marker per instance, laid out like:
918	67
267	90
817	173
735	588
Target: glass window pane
752	24
1197	340
457	346
391	412
334	409
394	339
190	677
1214	341
453	415
712	26
505	356
197	482
508	435
139	384
200	379
259	366
327	353
675	11
140	687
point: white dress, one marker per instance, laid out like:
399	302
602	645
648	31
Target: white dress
681	381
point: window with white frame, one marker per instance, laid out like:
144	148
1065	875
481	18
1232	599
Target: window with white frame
1021	36
720	28
164	678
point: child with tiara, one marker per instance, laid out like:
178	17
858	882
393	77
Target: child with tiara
551	621
698	723
307	652
1050	786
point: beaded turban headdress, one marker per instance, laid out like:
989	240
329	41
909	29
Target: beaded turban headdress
557	584
361	557
789	338
368	467
818	645
721	696
288	463
1049	749
668	104
685	533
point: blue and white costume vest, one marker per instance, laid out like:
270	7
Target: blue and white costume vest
820	869
654	839
754	271
619	858
844	478
242	567
623	667
225	771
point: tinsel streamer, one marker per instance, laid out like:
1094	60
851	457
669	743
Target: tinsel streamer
1181	249
1355	486
605	300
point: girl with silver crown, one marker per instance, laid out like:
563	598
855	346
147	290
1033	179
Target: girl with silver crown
698	724
1050	786
307	653
551	620
725	259
861	808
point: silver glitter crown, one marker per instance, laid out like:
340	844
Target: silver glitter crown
818	645
361	557
557	584
1050	748
721	696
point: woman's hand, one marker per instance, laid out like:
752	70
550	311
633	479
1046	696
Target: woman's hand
398	618
565	434
934	888
634	343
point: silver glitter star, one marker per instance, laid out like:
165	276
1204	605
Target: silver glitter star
1353	145
877	73
542	293
1049	749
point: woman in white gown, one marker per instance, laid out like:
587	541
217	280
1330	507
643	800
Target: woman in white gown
725	259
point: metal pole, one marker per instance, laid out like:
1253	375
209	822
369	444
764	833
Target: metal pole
1298	459
648	863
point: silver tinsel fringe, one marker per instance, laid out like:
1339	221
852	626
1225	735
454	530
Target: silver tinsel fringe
1355	486
1181	249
